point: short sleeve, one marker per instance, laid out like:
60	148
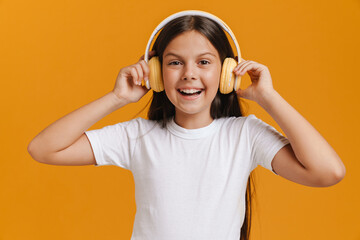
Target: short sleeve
265	142
114	144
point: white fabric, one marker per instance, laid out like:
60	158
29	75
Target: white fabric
189	183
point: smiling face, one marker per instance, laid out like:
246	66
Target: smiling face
191	71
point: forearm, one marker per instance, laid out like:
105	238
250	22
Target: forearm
310	148
65	131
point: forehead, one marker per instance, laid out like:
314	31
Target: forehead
190	42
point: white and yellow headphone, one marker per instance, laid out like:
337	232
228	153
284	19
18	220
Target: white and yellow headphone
228	80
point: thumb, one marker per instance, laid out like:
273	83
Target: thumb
240	92
243	93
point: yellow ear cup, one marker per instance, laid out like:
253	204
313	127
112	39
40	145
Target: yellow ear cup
227	77
155	76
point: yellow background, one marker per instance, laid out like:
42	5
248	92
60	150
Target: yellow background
56	56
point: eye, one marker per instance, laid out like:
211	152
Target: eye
174	63
205	62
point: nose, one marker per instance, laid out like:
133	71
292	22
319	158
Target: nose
189	72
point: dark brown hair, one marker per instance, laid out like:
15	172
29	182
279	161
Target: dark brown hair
223	105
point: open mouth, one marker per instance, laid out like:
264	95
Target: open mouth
190	92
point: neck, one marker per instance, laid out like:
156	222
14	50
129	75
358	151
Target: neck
192	121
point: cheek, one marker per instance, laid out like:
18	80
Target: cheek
214	77
169	84
168	78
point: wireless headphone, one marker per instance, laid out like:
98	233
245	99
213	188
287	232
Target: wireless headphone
228	80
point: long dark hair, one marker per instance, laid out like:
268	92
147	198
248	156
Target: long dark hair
223	105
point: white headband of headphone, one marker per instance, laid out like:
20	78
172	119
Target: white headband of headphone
191	13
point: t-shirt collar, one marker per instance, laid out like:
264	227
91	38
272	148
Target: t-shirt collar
196	133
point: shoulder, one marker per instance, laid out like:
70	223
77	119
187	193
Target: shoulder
140	124
251	121
139	121
256	124
133	127
237	121
249	125
142	121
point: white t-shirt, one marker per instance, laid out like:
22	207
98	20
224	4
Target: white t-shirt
189	183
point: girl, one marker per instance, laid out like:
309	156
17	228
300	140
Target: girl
192	159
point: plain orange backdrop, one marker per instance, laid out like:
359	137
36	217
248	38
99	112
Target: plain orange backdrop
56	56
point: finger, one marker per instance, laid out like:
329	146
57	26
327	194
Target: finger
150	54
244	67
245	92
140	73
241	93
238	92
252	68
242	61
134	75
240	66
146	69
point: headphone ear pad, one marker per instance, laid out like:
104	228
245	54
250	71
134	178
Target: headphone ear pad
155	76
227	76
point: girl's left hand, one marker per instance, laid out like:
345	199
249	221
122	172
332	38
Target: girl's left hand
260	78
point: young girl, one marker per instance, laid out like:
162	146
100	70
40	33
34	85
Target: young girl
191	160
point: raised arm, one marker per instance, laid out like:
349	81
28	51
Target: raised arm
64	142
309	159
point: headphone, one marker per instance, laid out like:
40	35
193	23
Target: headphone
228	80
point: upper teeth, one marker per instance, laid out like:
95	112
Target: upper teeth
189	90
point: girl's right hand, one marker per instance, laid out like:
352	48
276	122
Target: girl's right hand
128	83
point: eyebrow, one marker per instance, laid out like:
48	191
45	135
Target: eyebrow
201	54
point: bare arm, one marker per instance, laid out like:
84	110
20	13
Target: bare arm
319	160
64	142
308	159
64	132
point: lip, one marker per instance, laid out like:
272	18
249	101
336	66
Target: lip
193	97
196	88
